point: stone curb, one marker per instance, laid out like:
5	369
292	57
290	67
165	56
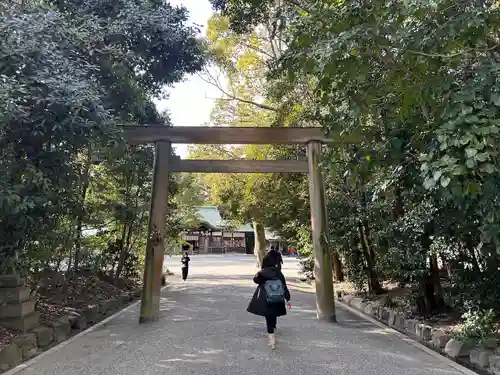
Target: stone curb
439	340
30	344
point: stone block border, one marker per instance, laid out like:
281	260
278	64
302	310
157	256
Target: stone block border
481	358
30	344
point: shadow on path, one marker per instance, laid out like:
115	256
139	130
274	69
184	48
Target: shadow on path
204	329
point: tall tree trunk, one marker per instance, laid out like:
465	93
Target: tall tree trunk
444	271
373	282
397	209
430	285
471	249
369	242
128	224
70	263
128	239
374	285
123	252
260	248
436	279
58	264
490	255
338	274
81	210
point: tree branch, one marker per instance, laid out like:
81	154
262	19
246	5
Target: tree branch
257	49
465	52
215	83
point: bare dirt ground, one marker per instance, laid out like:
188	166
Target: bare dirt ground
57	294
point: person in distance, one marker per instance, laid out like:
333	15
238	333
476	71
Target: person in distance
185	265
276	256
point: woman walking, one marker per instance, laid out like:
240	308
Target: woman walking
276	256
270	296
185	265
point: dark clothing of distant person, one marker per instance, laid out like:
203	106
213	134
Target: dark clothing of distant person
276	257
185	266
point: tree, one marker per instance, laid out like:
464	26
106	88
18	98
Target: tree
71	72
408	93
242	61
245	59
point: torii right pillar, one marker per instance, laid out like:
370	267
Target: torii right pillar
323	275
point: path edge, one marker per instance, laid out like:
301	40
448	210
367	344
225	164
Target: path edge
31	362
464	370
407	339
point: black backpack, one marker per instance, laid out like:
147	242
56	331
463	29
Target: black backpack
275	291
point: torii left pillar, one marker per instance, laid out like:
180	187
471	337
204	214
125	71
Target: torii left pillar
155	248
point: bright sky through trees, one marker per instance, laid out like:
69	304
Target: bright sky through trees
191	101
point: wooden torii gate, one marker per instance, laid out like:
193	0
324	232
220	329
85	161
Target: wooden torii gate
164	163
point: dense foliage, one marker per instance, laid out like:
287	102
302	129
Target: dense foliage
409	92
71	72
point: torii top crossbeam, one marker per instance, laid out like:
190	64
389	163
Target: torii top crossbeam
223	135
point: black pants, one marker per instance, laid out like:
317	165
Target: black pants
271	323
185	271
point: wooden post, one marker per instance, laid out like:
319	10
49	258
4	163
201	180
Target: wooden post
205	244
222	241
155	248
325	304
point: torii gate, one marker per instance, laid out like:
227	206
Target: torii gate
164	163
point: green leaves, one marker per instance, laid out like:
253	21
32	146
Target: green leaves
495	98
69	72
470	152
417	83
445	181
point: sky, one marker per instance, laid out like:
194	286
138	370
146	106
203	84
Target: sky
190	102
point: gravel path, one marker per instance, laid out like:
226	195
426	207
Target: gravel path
205	330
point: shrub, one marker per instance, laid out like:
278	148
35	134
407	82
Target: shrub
478	325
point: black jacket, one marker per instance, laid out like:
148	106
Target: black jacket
277	257
258	305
